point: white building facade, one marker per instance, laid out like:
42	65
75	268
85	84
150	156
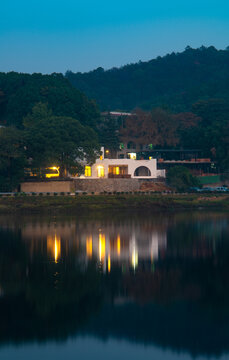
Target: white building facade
123	168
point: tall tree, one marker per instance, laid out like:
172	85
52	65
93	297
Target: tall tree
214	129
58	140
12	158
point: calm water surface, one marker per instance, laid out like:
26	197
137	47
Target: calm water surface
126	286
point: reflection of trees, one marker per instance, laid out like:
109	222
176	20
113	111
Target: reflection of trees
180	301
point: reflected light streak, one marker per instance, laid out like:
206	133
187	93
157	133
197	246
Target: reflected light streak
109	263
134	259
54	247
89	246
118	245
102	247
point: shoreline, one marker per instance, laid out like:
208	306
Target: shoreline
75	204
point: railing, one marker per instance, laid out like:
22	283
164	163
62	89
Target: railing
204	160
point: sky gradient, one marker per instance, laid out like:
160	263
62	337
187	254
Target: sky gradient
80	35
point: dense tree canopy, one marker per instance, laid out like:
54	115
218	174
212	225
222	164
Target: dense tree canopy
20	92
12	158
176	80
58	140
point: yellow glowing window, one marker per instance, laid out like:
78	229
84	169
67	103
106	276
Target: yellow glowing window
100	170
87	171
52	172
117	170
132	156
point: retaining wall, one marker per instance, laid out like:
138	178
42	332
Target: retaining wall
47	186
87	185
109	185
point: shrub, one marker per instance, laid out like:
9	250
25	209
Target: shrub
40	194
55	193
62	193
48	193
180	179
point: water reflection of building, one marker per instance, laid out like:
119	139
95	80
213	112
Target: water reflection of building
122	247
120	244
53	240
54	247
125	243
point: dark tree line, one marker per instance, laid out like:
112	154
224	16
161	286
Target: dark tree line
176	81
44	121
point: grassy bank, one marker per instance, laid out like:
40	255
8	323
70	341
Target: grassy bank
155	202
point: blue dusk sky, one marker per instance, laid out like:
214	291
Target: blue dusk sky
80	35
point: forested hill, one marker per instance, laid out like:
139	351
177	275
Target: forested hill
20	92
174	81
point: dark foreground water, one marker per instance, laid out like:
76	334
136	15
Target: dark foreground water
126	286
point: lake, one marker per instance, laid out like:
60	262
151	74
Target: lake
115	286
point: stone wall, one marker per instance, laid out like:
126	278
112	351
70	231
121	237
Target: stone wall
109	185
87	185
47	186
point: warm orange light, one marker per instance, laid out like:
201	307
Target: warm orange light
100	170
54	174
54	247
118	245
109	263
89	246
132	156
87	171
117	170
102	247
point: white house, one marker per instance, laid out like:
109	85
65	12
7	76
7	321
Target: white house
123	168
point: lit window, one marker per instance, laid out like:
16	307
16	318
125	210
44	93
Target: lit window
117	170
52	172
132	156
87	171
100	170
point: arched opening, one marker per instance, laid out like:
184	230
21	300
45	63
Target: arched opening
142	171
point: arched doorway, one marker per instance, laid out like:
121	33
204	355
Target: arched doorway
142	171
